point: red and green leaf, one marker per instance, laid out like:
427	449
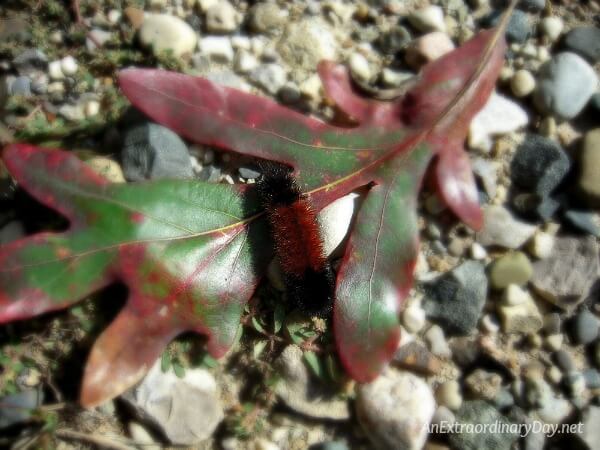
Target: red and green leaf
192	253
184	249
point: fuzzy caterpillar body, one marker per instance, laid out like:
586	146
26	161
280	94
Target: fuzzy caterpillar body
308	276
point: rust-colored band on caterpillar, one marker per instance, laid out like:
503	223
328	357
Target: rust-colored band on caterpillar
308	276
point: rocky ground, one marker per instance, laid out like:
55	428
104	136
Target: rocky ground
503	325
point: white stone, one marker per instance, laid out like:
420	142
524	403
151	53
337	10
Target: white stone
173	403
395	409
68	65
205	5
222	17
499	116
502	229
163	32
114	16
312	87
541	245
359	67
56	87
448	394
271	77
55	71
551	27
241	42
335	220
515	295
245	62
217	47
91	108
413	318
478	252
554	341
73	112
437	342
428	48
430	18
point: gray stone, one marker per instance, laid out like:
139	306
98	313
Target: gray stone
532	5
586	327
456	299
479	412
173	403
248	173
393	40
501	228
584	41
151	151
586	221
300	392
31	60
11	231
483	385
565	85
590	434
592	378
564	361
21	86
270	77
19	407
395	409
567	288
519	27
539	164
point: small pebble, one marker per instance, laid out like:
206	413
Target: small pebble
359	67
551	28
163	32
584	41
413	318
55	70
522	83
430	18
554	342
511	268
478	252
565	361
271	77
437	342
69	66
428	48
448	394
541	245
217	47
586	327
221	17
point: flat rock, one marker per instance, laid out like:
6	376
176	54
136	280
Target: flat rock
303	394
428	48
500	115
162	32
303	44
501	228
186	409
395	409
567	288
519	27
584	41
430	18
151	151
267	18
455	300
522	318
565	85
479	412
